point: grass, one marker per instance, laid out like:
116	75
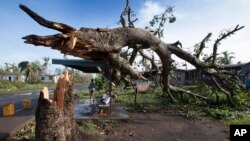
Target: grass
84	94
90	127
101	126
150	101
192	108
7	87
25	134
242	118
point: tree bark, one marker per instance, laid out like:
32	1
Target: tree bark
106	45
55	121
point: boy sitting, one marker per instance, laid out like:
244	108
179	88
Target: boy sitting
103	104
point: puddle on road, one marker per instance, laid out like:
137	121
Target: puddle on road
84	108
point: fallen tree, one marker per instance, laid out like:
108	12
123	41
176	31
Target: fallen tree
106	45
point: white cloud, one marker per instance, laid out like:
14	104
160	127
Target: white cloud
147	12
197	18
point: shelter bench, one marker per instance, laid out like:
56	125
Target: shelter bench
104	109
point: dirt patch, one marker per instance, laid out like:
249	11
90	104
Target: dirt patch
166	126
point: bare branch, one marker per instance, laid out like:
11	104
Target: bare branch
133	56
149	58
127	11
52	40
223	36
49	24
202	45
222	90
187	57
178	89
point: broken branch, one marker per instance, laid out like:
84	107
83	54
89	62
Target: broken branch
49	24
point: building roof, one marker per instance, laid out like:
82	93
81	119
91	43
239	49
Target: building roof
86	66
233	65
7	74
184	70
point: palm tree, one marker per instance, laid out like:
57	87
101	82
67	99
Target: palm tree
44	69
31	70
36	69
24	69
226	58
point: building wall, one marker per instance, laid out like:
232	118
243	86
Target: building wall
185	77
180	76
47	79
245	75
9	77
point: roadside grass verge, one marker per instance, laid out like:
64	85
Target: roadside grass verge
84	94
7	87
150	101
25	134
192	108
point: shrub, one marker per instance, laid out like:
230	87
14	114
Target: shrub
100	83
220	113
240	98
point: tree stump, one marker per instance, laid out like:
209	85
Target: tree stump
55	119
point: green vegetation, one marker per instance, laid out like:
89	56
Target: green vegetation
150	101
31	70
79	77
98	126
217	106
154	101
83	94
7	87
100	83
25	134
89	127
192	107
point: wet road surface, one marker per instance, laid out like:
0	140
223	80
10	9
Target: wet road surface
9	125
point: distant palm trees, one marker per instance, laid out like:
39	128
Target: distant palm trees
45	66
31	70
226	58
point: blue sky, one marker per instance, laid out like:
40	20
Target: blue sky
195	18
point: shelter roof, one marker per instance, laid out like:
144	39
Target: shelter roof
86	66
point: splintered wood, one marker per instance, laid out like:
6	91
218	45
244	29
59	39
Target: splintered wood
61	90
45	92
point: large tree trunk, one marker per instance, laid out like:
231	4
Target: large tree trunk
106	45
55	120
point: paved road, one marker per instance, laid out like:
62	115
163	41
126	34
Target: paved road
9	125
16	99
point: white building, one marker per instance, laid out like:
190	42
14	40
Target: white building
11	77
8	76
48	78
